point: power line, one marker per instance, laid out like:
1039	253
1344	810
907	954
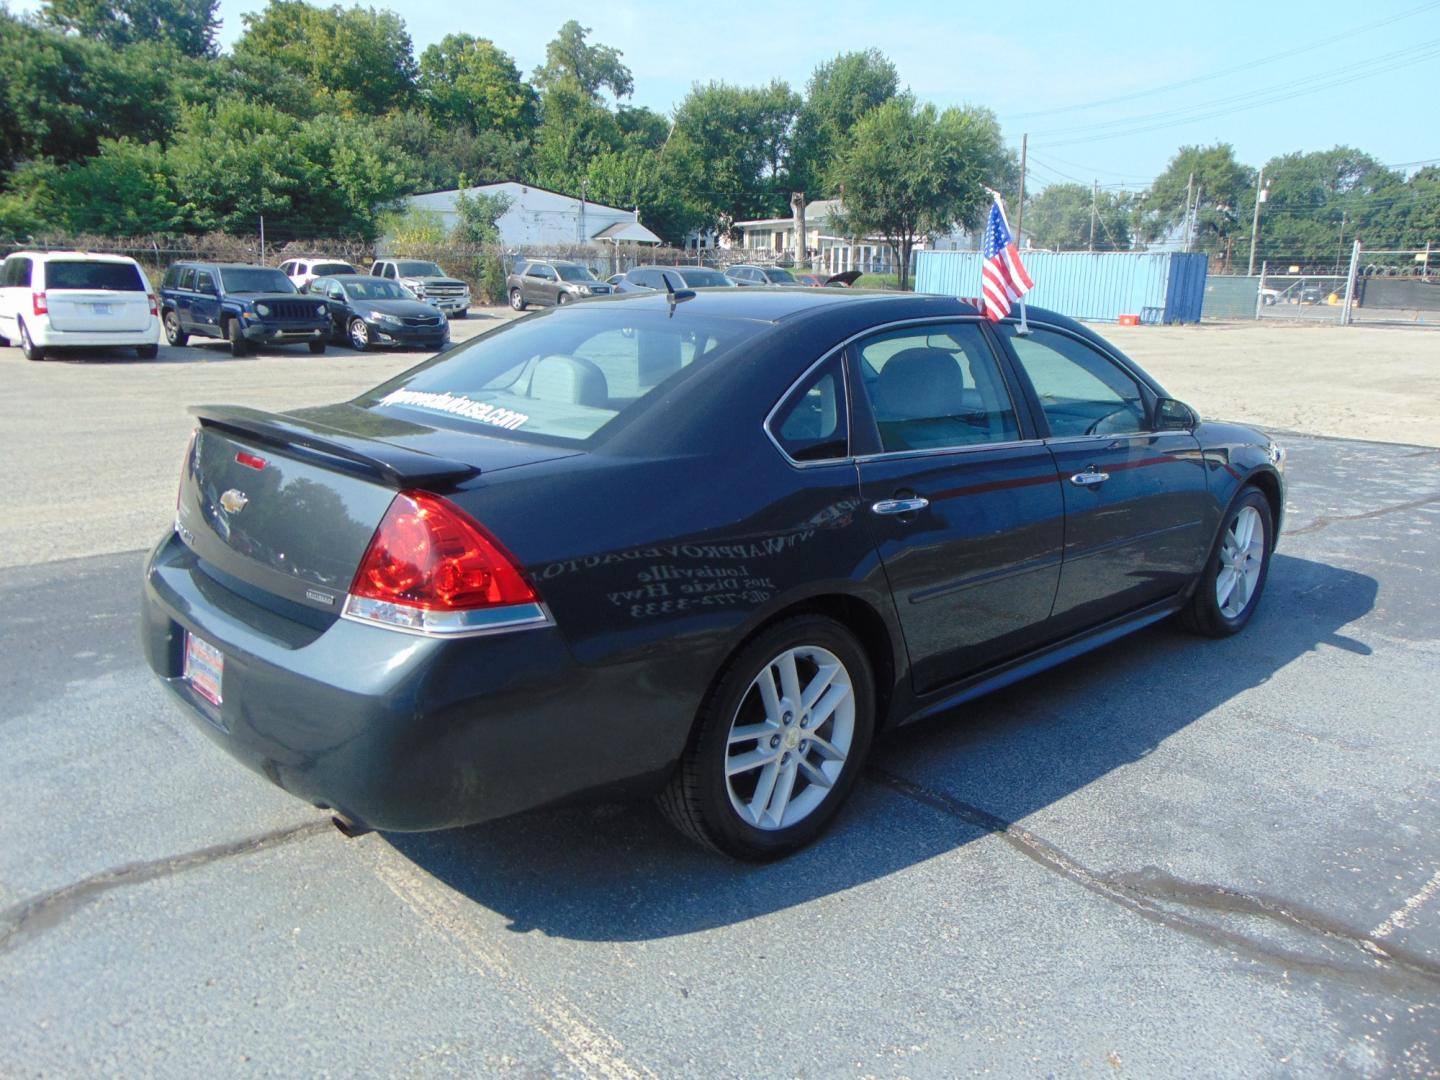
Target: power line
1133	95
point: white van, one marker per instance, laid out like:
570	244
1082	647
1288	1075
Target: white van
303	271
60	299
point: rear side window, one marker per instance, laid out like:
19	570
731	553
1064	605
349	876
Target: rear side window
561	380
936	386
73	274
811	424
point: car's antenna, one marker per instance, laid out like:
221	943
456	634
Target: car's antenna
674	296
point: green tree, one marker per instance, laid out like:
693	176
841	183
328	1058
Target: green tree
188	25
730	147
591	68
360	59
467	81
478	214
125	190
413	228
1225	188
911	171
444	154
636	177
840	92
576	128
1059	217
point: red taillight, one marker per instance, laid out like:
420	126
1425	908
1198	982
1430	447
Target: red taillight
250	460
38	301
154	304
428	554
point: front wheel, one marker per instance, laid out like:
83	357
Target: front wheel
147	352
517	301
563	298
779	742
317	346
236	336
1229	590
359	335
463	313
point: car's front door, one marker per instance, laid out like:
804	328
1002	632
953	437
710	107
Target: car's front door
539	280
335	304
963	498
1138	518
205	304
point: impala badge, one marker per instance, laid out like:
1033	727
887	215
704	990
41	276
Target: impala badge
233	501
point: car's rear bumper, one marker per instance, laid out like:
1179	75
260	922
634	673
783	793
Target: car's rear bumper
392	730
46	336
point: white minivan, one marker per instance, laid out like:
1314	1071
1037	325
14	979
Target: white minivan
61	299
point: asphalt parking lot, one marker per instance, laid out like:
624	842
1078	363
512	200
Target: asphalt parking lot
1172	857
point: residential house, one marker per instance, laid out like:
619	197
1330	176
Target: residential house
773	240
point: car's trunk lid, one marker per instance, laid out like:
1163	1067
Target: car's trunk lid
287	503
98	310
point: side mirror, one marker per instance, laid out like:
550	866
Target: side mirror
1172	415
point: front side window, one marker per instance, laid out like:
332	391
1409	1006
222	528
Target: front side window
812	424
389	270
778	276
936	386
561	381
204	282
375	290
187	278
540	270
576	273
1081	391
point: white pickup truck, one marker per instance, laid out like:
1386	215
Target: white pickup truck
428	282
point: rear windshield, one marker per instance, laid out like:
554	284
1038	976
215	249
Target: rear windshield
325	269
256	280
704	279
563	378
69	274
419	269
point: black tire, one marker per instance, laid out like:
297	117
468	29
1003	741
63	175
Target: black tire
173	334
28	347
698	799
517	300
461	314
317	346
147	352
1204	614
233	334
563	298
359	335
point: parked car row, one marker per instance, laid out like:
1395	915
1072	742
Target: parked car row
547	282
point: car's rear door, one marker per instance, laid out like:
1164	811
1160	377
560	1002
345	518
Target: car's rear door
1137	509
962	496
96	296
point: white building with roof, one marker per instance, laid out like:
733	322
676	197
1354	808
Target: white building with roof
773	239
538	218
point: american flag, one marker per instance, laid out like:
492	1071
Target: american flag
1003	279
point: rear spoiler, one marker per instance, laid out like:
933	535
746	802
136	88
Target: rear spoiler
392	465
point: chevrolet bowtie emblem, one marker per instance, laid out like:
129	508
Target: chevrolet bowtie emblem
233	501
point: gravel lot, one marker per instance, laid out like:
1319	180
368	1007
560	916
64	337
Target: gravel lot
1173	857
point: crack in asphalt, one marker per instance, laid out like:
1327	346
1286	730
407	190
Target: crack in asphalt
1325	521
1146	892
42	912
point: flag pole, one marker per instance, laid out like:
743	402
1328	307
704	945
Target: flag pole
1024	327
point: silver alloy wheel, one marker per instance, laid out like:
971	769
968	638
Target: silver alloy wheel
359	334
172	327
516	300
789	738
1242	556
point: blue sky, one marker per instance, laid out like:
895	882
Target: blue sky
1367	85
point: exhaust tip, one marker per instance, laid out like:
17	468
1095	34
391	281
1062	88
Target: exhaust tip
349	828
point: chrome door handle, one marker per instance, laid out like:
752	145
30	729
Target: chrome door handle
1088	479
899	506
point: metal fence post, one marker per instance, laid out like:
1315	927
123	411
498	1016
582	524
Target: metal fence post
1260	290
1350	285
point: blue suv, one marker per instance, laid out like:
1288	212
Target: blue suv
244	305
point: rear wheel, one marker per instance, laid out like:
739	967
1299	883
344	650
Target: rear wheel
317	346
359	335
517	301
236	337
147	352
28	347
1229	589
779	742
173	334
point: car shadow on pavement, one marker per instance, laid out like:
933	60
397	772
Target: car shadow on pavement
620	873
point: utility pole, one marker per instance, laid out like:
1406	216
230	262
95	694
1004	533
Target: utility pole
1189	194
1194	218
1094	202
262	238
1020	203
797	209
1350	283
1260	194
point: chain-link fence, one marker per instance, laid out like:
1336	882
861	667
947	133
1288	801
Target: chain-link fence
1380	287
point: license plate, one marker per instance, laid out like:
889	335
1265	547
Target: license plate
100	309
204	665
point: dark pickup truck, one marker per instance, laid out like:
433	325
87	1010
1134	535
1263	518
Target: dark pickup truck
244	305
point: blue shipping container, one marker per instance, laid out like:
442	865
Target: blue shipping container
1160	287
